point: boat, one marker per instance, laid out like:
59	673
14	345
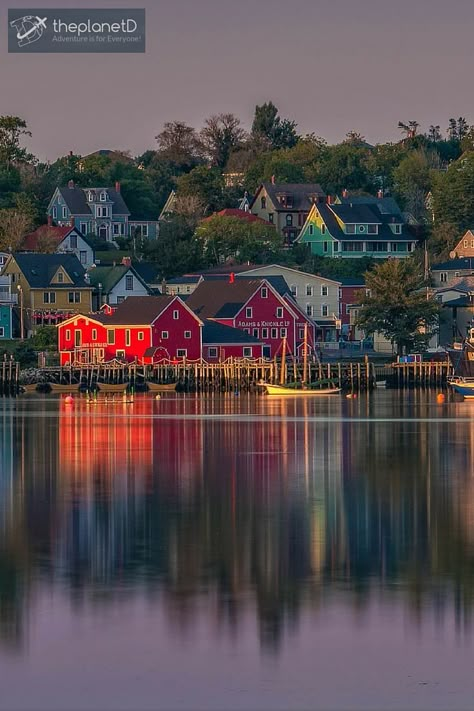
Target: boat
60	388
299	390
161	387
463	386
29	388
111	387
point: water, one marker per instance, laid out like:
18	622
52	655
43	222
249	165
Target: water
237	553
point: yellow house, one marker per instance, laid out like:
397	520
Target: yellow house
50	287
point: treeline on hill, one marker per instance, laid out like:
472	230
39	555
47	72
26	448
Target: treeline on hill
431	174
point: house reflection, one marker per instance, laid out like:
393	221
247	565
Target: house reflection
246	503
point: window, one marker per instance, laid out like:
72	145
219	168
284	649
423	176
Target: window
323	229
294	290
309	290
164	334
255	333
309	309
212	352
68	334
49	297
144	230
264	332
83	227
55	212
90	196
102	211
264	292
116	228
336	246
247	351
274	333
324	290
270	217
83	257
187	334
103	196
74	297
127	337
94	334
73	241
176	314
60	278
110	336
120	299
283	332
443	277
141	336
397	229
361	228
350	229
352	247
120	354
64	212
311	230
289	220
324	310
129	282
249	312
181	352
466	243
472	243
279	313
301	333
263	203
77	338
325	246
373	229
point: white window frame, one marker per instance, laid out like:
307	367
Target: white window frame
264	292
247	351
249	312
181	353
324	290
309	290
64	212
165	335
294	290
175	315
103	196
283	332
212	352
309	309
140	336
128	337
187	334
279	312
94	334
264	333
111	337
324	310
55	212
128	280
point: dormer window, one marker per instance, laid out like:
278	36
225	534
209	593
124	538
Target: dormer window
60	278
90	196
361	228
289	220
263	203
103	196
373	229
397	229
350	229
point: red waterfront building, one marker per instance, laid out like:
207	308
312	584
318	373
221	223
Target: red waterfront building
142	328
257	308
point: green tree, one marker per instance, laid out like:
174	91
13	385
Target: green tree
206	184
412	181
452	194
398	306
14	225
12	130
177	251
271	129
345	166
221	135
180	144
225	237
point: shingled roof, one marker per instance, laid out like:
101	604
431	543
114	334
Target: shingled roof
300	192
76	199
221	299
110	276
39	269
136	311
216	333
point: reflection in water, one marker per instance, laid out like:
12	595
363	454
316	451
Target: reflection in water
269	506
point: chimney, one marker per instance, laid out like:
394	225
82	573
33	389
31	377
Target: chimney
71	154
73	221
380	194
345	193
70	184
117	186
231	278
328	199
50	220
127	261
273	180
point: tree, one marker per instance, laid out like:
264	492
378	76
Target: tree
225	237
271	129
412	181
221	135
205	183
12	130
177	251
14	225
179	143
452	194
47	241
397	306
410	129
458	128
345	166
434	134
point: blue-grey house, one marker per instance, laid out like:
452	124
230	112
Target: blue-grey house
98	211
7	303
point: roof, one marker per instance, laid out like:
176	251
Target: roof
186	279
277	281
220	299
110	276
76	200
300	193
147	271
215	333
240	214
454	264
352	281
136	311
465	283
279	270
39	269
358	214
386	205
50	232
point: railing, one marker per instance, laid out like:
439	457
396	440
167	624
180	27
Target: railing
6	298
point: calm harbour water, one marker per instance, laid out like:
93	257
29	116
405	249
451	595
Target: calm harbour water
237	553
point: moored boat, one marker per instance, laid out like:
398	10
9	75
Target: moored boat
300	390
161	387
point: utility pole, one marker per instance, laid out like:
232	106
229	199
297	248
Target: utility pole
22	330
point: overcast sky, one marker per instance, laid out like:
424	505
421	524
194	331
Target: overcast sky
331	65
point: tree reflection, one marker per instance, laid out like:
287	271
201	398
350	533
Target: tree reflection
272	513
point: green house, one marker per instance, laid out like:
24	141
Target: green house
357	227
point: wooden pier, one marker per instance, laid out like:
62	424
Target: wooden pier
423	374
232	375
9	376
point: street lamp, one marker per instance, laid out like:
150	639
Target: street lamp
99	285
22	330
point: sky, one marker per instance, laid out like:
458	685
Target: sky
331	65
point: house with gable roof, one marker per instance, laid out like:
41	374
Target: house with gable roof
63	240
100	211
357	227
286	205
52	287
112	285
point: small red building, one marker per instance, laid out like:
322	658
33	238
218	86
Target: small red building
348	297
142	328
256	307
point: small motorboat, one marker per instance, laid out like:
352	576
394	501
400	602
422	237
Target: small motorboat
300	390
463	386
161	387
